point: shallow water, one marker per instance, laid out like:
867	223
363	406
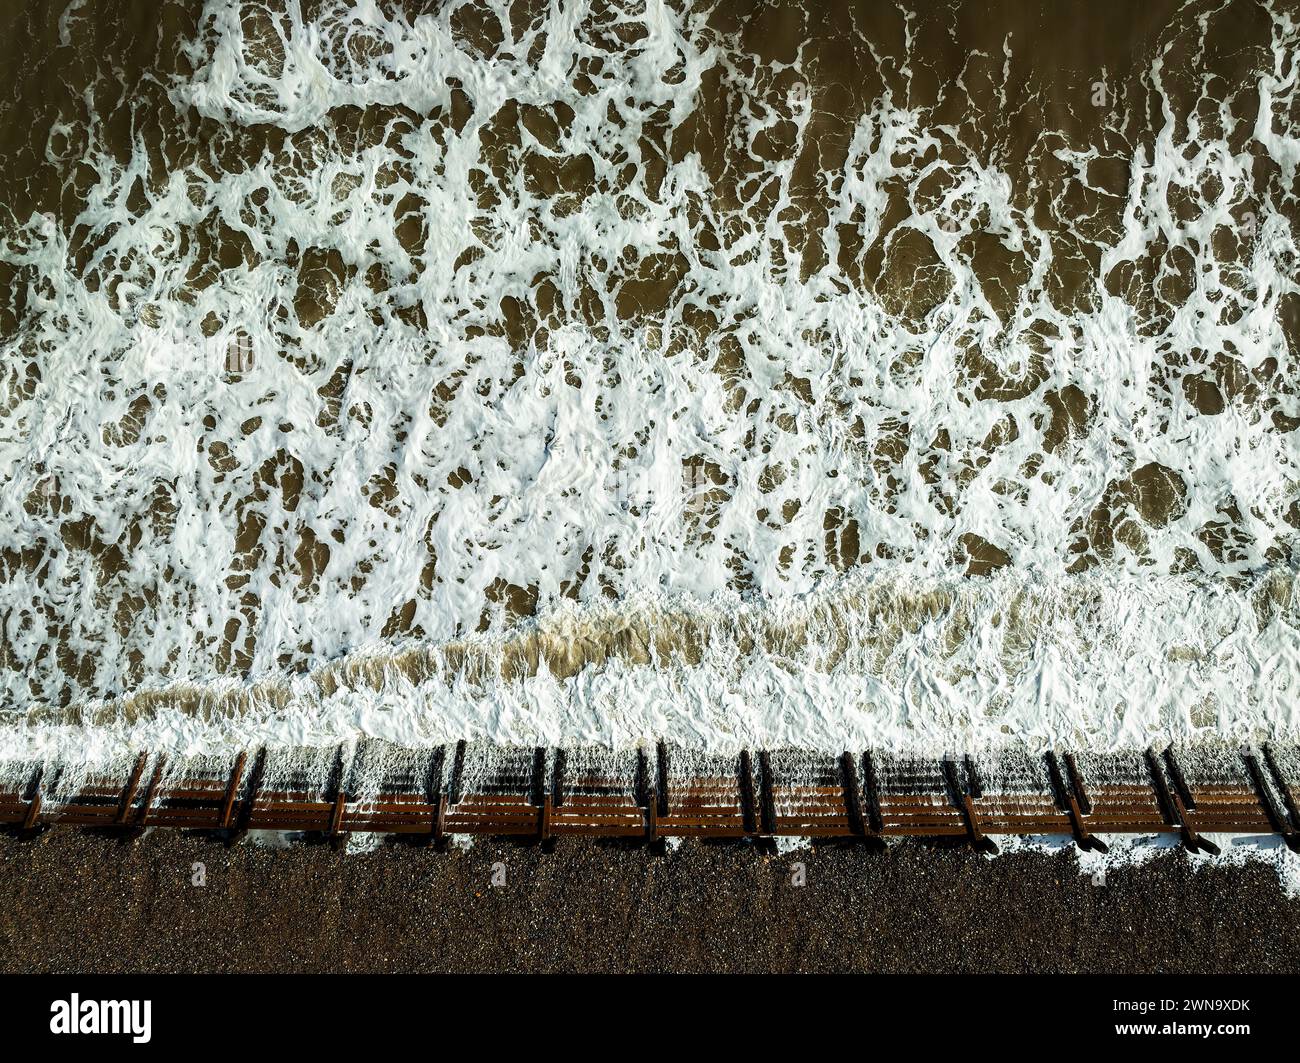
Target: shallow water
744	373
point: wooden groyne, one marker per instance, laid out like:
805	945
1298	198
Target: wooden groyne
666	792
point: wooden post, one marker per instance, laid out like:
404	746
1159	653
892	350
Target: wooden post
1085	839
766	795
873	821
1076	784
852	794
557	776
646	796
129	791
541	794
1291	821
1173	806
336	816
152	792
254	785
963	801
34	806
978	838
1288	798
1180	781
340	794
1191	836
1068	800
544	818
232	789
439	817
433	793
1167	811
661	777
538	785
745	772
1275	817
457	773
1185	804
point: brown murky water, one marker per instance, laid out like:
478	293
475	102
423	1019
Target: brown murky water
320	330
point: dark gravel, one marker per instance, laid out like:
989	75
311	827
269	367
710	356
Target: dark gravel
77	902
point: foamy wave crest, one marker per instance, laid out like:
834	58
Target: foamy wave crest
890	662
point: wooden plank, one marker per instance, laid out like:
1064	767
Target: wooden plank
600	831
572	815
956	829
519	807
905	802
804	829
197	791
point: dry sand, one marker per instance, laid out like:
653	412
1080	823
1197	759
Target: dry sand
76	902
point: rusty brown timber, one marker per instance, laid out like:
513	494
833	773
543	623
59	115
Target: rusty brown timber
546	793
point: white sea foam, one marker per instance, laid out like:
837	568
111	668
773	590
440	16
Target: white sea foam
1104	662
1236	850
707	477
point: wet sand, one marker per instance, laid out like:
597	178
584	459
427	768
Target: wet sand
74	902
